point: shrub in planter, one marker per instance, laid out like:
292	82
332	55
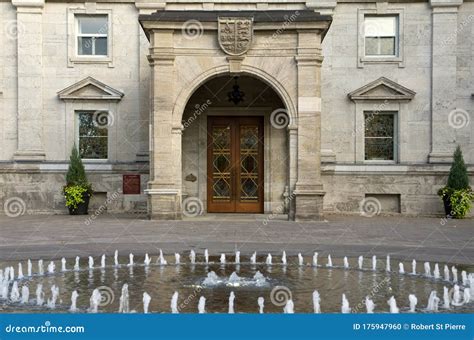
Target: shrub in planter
77	190
457	195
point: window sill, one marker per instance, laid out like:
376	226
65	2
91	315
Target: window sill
378	162
381	60
91	60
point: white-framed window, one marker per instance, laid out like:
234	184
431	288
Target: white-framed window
93	134
380	136
381	35
92	34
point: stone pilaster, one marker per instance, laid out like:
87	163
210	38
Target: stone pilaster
443	80
30	82
164	188
309	189
293	155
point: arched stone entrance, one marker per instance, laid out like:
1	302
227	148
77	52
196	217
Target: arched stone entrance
281	50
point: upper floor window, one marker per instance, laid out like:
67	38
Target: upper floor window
380	136
381	35
92	35
93	134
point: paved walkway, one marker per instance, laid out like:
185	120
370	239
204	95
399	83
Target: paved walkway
51	237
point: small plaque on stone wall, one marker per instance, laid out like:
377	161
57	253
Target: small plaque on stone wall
131	184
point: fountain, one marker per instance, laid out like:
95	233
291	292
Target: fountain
387	266
177	258
116	261
40	267
315	259
268	261
234	280
413	302
253	258
360	262
25	294
237	257
260	302
222	259
456	296
259	279
202	305
147	260
471	283
211	279
466	295
161	259
345	309
231	302
446	299
436	271
283	258
369	305
455	274
130	260
393	306
76	265
124	306
30	268
300	259
95	301
289	307
51	267
146	302
192	256
74	297
433	302
346	262
12	273
20	271
15	293
427	269
91	263
174	303
374	263
401	268
63	264
54	296
316	302
446	273
102	261
413	267
206	256
329	264
39	295
464	278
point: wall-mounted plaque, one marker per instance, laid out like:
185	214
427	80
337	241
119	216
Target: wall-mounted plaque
131	184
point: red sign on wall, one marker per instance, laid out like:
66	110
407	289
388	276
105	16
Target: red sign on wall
131	184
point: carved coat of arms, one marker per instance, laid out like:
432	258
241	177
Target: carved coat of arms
235	34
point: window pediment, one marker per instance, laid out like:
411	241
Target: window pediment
90	89
382	89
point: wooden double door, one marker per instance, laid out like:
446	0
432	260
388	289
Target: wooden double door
235	164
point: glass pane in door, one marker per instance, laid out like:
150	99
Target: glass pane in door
249	167
221	163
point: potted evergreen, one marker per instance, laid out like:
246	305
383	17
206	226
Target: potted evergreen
77	190
457	195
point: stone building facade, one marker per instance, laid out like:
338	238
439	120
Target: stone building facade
287	107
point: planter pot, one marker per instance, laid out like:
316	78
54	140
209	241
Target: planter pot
82	208
447	206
